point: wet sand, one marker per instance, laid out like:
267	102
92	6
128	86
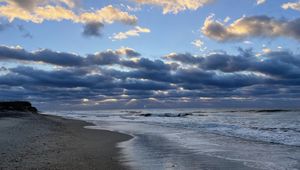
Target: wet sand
32	141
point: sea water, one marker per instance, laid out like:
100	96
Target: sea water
203	139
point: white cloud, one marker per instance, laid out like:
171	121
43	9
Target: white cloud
130	33
259	2
291	5
132	8
198	43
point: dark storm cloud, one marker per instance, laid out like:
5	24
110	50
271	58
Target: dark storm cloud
113	76
253	26
195	78
45	55
147	64
281	64
69	59
186	58
145	85
292	29
74	78
92	29
103	58
71	78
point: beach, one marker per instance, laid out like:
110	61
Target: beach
164	139
34	141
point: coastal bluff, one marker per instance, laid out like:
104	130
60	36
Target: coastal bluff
18	106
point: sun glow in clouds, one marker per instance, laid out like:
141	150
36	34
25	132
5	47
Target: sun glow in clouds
146	53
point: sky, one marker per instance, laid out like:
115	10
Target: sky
124	54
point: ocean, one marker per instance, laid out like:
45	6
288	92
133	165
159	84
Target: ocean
202	138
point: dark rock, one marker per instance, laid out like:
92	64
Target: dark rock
22	106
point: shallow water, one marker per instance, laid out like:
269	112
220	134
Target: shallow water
203	139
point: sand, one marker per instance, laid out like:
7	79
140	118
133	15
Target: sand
32	141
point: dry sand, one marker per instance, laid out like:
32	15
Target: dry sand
34	141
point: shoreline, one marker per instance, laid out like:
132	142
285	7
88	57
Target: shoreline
38	141
45	141
156	146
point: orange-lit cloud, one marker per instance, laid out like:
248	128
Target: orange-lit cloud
255	26
175	6
130	33
38	14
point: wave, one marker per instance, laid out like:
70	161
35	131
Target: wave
169	114
264	110
200	112
270	125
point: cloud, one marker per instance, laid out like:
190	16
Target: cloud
278	64
176	6
131	33
291	5
186	58
227	19
174	77
26	33
198	43
129	52
107	14
44	55
103	58
38	11
31	4
271	63
53	13
21	28
47	56
92	29
70	3
248	27
259	2
132	8
26	4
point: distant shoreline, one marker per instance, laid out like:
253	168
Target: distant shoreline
34	141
